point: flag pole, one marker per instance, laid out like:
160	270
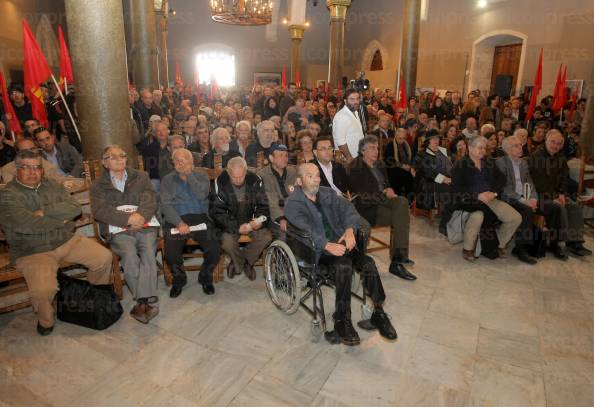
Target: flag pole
66	106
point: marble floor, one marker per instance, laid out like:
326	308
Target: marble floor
493	333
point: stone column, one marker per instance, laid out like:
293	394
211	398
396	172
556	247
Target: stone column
144	53
411	22
296	32
161	18
338	10
98	49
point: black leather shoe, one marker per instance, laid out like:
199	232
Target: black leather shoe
348	335
231	270
381	321
175	291
578	249
400	271
559	253
44	331
523	256
207	286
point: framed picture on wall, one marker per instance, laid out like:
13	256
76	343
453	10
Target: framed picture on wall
267	78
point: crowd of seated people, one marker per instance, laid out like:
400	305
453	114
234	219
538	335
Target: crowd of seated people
246	164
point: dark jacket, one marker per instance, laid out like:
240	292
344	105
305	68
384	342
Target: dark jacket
251	153
368	193
199	184
208	158
340	177
303	213
69	159
550	173
157	161
428	180
276	201
28	234
462	195
7	154
224	207
105	198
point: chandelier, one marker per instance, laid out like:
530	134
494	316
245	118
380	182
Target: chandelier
242	12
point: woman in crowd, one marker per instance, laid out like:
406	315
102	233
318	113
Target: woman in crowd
433	173
458	149
271	108
438	111
493	149
305	144
398	160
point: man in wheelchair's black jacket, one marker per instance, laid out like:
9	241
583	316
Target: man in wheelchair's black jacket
332	222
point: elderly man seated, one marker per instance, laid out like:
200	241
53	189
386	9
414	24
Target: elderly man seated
66	158
549	171
124	204
377	202
520	193
236	204
266	133
220	142
50	171
278	178
36	215
184	203
333	222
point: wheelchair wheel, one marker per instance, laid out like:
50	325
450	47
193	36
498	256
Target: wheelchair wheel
283	280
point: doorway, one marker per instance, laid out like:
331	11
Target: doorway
506	63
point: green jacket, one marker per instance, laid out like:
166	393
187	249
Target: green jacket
28	234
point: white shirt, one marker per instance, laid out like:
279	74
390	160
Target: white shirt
327	170
347	129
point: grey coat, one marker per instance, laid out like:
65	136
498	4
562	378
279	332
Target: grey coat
69	159
273	191
303	213
199	184
509	194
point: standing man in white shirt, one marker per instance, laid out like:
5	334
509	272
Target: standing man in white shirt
347	129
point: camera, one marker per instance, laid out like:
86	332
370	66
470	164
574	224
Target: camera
360	84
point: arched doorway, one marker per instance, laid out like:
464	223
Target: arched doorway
498	60
374	57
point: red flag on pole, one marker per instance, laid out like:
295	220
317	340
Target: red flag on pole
402	102
13	121
284	77
178	77
66	75
37	71
557	93
298	79
536	87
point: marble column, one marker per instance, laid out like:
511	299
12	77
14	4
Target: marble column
411	21
296	32
98	50
161	17
144	52
587	131
338	10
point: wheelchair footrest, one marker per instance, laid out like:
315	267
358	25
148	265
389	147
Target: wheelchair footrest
332	337
366	325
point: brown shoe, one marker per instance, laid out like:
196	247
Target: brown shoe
502	252
468	255
249	271
151	312
139	313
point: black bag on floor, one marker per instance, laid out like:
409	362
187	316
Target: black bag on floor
82	303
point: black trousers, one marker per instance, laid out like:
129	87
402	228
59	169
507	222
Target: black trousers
525	232
552	214
209	241
341	270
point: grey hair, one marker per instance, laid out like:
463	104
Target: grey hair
553	132
177	137
27	155
183	151
261	125
476	140
487	128
301	169
519	131
506	143
109	147
237	162
243	123
365	141
219	131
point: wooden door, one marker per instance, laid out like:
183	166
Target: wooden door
506	61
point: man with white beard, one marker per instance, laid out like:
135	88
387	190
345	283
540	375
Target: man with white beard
219	140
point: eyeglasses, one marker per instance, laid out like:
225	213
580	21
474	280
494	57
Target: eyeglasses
27	167
115	156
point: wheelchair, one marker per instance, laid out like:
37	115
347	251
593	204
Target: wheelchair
293	276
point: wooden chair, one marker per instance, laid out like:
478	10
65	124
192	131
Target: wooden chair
381	244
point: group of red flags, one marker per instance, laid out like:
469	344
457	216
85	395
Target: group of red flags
37	71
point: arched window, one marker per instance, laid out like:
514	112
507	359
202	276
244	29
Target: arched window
377	64
216	64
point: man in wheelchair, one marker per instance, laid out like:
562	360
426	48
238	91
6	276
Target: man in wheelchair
333	222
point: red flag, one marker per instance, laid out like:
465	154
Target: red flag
536	87
66	75
402	102
37	71
13	122
557	93
298	79
178	77
338	91
284	77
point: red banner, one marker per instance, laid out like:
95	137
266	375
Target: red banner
37	71
66	75
13	121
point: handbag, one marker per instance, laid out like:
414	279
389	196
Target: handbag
455	229
82	303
